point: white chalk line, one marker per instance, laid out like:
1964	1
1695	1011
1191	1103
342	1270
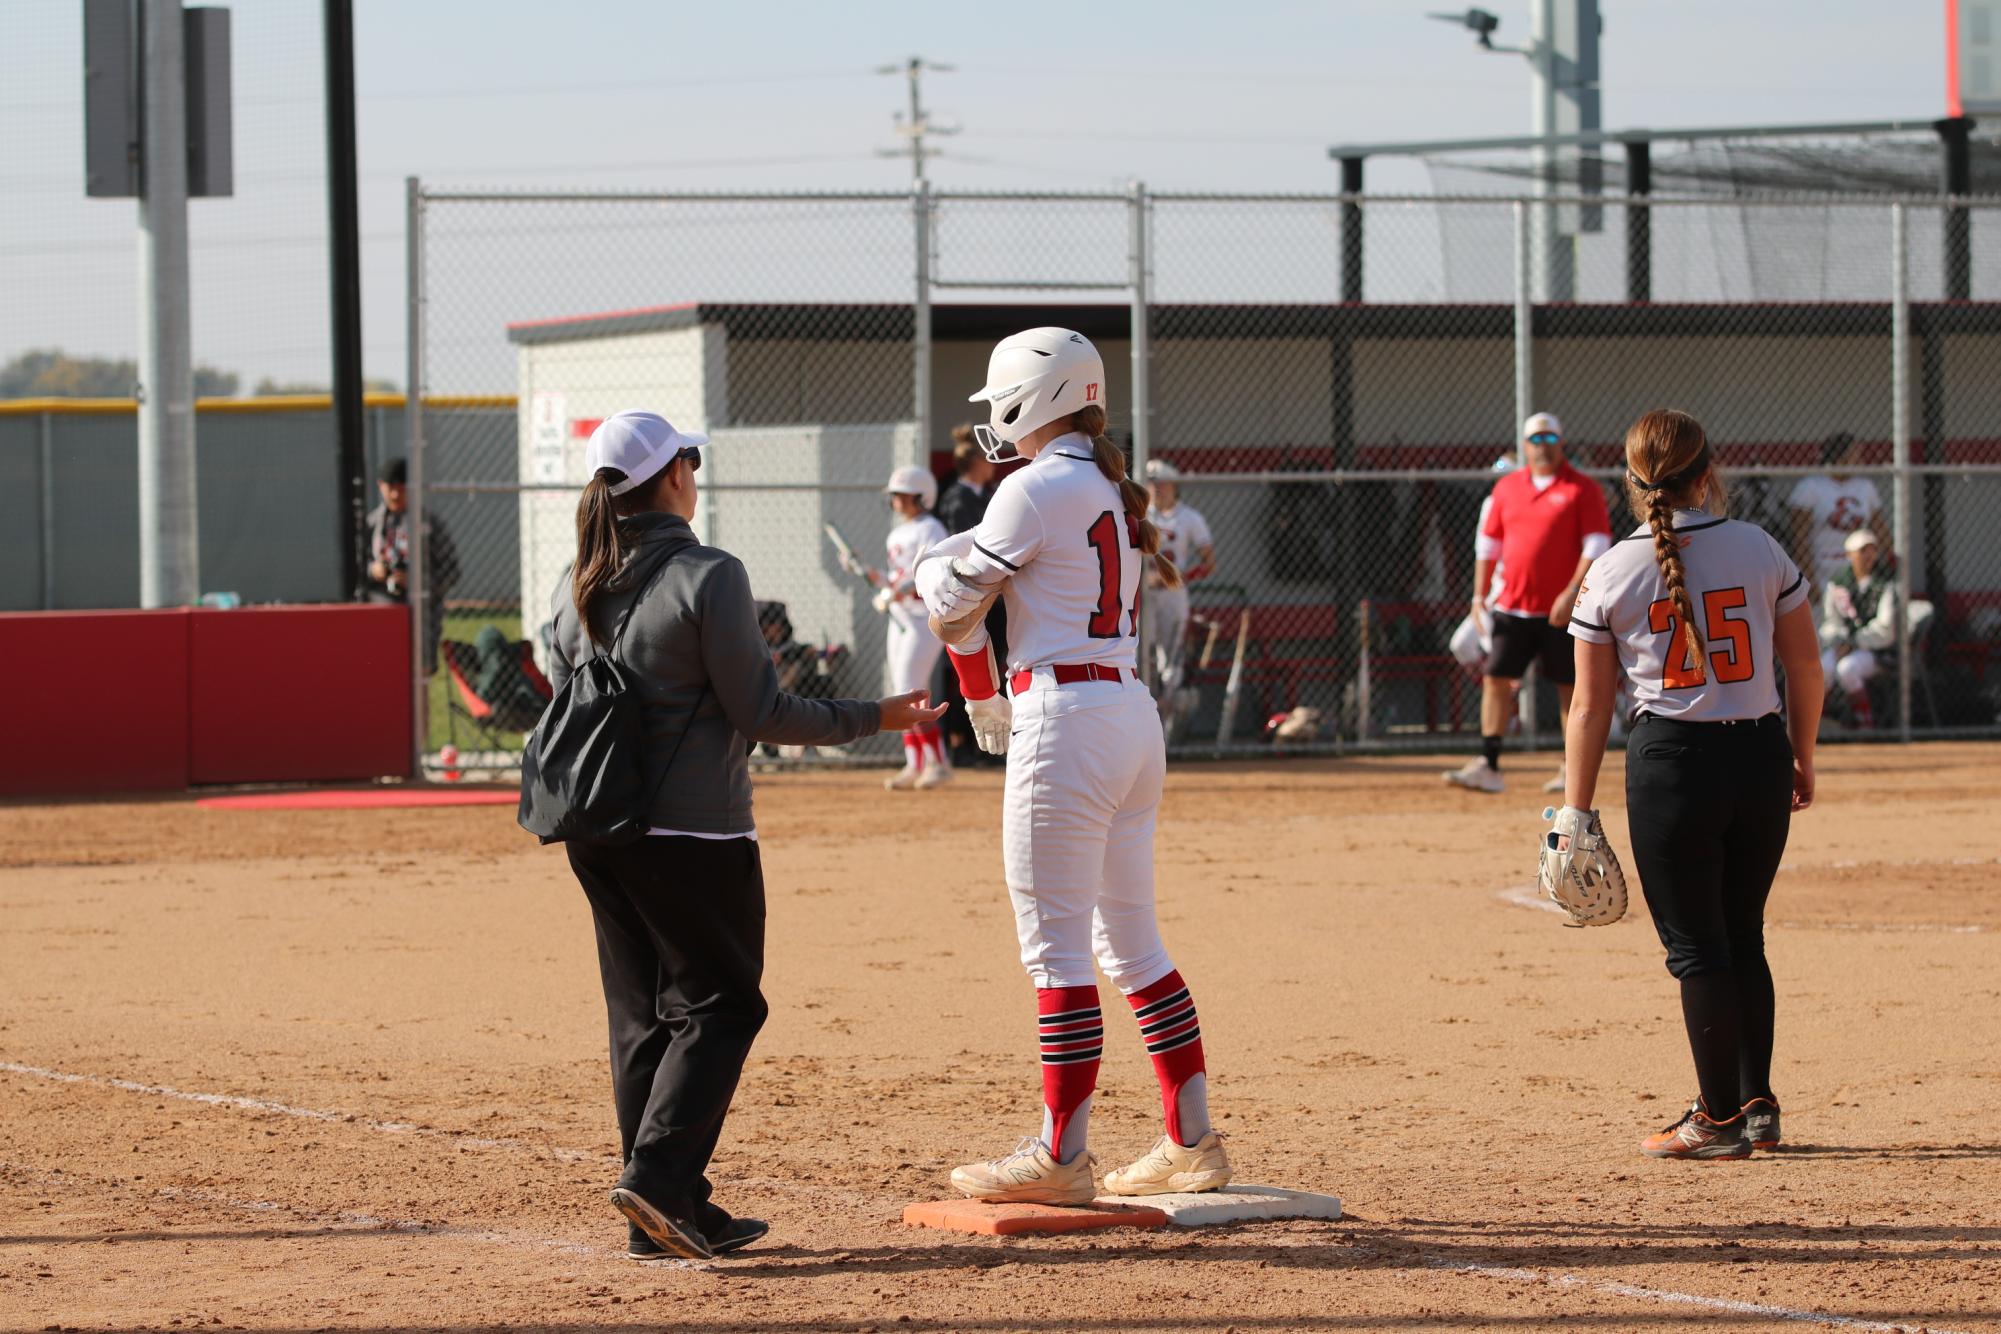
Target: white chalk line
1528	898
401	1128
333	1219
1642	1292
363	1220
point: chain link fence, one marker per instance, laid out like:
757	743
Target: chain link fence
1336	379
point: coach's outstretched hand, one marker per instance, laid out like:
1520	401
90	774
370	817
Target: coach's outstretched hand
900	713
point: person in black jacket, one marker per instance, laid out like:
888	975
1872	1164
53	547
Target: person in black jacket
680	914
386	576
961	508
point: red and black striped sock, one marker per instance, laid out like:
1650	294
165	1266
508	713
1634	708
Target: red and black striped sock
1167	1022
1071	1028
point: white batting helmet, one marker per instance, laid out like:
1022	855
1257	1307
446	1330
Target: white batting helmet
912	480
1033	378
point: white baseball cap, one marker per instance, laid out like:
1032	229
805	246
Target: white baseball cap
1160	470
1859	539
1542	421
638	444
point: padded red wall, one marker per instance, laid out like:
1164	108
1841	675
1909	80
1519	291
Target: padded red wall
96	702
136	701
299	694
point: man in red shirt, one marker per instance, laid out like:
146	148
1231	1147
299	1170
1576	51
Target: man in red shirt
1545	525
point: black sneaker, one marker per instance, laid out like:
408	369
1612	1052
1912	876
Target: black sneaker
1761	1123
671	1232
732	1236
737	1234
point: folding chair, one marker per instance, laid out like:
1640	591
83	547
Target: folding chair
491	721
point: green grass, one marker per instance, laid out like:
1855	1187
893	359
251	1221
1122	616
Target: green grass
442	727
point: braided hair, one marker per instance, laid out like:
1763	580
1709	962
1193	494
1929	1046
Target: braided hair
1111	460
1667	467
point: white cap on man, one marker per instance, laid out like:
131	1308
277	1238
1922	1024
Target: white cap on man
1859	539
1160	470
1542	423
638	444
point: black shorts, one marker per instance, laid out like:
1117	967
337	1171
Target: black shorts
1520	640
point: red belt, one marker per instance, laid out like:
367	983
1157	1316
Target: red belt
1070	673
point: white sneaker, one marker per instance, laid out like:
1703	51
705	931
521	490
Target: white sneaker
934	775
1476	776
1171	1169
903	779
1555	784
1029	1175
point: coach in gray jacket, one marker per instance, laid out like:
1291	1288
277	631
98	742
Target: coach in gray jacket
680	914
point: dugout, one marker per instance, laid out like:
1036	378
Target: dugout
819	398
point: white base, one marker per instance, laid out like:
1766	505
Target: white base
1236	1204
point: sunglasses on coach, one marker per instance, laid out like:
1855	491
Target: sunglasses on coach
1545	438
692	454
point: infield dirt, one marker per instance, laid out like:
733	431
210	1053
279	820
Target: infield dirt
398	1017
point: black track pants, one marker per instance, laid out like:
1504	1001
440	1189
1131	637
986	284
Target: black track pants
680	932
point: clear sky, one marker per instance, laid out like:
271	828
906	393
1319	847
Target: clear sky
668	94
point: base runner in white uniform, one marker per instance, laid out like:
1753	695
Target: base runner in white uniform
1698	613
1186	540
912	650
1065	540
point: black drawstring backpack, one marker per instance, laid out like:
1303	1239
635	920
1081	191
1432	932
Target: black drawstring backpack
583	769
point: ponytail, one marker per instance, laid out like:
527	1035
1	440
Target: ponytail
1667	555
600	553
1667	464
1111	462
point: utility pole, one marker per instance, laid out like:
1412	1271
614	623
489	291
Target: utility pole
918	123
168	564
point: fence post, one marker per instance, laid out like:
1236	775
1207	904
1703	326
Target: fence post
48	478
1141	371
413	426
920	319
1900	452
1141	340
1525	233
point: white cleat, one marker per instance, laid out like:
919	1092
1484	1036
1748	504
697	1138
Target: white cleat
904	779
1555	784
1029	1175
1476	777
934	775
1174	1169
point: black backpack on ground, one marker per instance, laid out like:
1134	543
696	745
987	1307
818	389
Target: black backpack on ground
583	768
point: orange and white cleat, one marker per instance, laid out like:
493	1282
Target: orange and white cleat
1695	1135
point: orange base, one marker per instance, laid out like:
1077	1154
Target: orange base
1003	1220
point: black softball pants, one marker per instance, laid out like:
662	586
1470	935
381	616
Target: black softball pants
1708	808
680	932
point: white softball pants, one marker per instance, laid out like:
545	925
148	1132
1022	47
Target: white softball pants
1084	771
911	652
1853	671
1165	614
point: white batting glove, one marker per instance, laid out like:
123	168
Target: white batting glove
992	720
883	597
946	590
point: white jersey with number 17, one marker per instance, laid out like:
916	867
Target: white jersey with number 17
1058	532
1740	581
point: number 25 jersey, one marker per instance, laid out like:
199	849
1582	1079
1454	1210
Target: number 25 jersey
1058	532
1740	580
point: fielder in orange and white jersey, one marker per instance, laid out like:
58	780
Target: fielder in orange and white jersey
912	650
1065	542
1697	613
